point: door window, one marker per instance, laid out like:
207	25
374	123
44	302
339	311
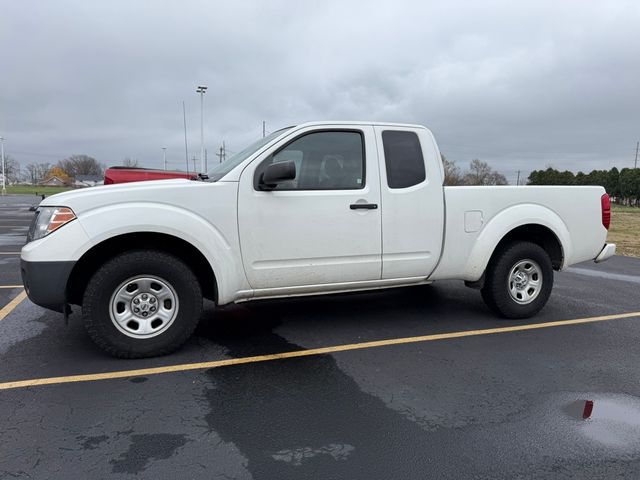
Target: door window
403	159
326	160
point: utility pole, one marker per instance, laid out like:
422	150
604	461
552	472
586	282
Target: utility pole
4	179
222	155
635	165
264	128
201	90
206	163
518	181
164	157
194	164
186	151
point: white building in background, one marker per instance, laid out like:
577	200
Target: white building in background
53	181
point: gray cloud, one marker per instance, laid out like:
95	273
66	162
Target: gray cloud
521	85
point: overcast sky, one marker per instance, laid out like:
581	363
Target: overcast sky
521	85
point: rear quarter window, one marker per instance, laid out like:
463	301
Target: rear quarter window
403	159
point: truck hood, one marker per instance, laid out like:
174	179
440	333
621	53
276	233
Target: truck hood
158	191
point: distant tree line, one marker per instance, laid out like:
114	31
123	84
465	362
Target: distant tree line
623	186
66	169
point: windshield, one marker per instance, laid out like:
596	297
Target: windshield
220	170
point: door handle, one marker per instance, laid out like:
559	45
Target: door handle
363	206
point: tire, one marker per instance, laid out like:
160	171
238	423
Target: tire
159	286
518	280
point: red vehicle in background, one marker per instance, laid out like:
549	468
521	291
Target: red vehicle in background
133	174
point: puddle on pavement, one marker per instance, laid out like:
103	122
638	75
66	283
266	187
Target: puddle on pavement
614	420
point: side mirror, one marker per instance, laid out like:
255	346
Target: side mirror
277	173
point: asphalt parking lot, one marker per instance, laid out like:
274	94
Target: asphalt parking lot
291	389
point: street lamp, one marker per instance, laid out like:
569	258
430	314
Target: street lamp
164	157
201	90
4	188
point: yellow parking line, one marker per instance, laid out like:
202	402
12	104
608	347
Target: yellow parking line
8	308
10	286
300	353
9	253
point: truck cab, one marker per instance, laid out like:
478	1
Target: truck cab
345	217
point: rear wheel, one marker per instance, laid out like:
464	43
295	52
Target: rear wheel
142	304
518	281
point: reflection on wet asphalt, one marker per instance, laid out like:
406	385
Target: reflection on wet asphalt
614	422
309	414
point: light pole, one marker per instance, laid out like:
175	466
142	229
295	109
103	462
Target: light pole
164	157
4	188
201	90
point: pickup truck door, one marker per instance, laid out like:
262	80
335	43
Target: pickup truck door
412	201
323	227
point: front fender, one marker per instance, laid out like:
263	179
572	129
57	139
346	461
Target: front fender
104	223
504	222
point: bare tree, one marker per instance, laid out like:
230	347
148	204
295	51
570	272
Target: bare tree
497	178
31	174
452	174
81	165
41	171
11	169
480	173
129	162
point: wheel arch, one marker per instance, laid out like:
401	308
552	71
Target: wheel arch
538	234
96	256
531	223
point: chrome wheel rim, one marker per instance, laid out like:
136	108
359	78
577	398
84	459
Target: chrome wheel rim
525	281
143	306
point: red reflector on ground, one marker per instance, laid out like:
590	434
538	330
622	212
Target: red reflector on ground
588	408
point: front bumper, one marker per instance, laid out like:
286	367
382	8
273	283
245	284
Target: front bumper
46	283
608	251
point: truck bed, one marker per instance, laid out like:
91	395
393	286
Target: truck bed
470	210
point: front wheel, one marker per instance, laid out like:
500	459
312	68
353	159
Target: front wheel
518	281
142	304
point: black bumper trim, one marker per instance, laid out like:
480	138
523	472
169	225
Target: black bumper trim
46	283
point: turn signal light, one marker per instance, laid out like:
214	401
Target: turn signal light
60	216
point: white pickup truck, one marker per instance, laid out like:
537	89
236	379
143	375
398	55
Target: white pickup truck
318	208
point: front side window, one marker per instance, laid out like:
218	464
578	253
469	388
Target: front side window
403	158
327	160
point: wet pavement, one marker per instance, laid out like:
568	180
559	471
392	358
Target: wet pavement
507	405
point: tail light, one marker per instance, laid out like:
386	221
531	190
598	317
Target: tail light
606	210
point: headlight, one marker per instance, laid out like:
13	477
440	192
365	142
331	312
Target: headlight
49	219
